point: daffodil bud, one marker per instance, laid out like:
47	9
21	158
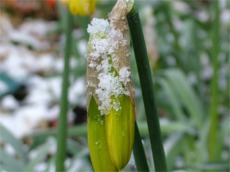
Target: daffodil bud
97	142
82	7
109	84
120	132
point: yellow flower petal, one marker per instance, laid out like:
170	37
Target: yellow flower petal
120	132
82	7
98	147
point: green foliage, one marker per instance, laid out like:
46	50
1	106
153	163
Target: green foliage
183	104
147	89
64	104
16	144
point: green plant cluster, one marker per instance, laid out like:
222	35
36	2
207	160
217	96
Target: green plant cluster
192	103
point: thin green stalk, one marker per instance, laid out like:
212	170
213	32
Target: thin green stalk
139	153
147	89
197	67
214	104
62	121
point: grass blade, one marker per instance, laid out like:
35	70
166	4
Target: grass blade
9	163
174	102
62	122
50	165
42	151
173	147
185	92
214	101
8	138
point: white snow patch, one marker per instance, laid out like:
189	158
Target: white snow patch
53	113
58	65
77	89
104	42
82	47
9	102
124	75
24	120
98	25
24	65
44	91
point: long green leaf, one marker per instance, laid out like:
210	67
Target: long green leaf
9	138
10	163
73	147
42	151
167	127
50	165
78	157
147	89
210	167
187	95
174	102
173	147
213	133
62	122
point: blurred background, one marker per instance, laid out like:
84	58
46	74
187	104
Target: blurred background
182	47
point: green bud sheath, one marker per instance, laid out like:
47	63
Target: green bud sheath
98	147
120	132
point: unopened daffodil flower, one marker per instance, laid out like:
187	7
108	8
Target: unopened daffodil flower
82	7
110	93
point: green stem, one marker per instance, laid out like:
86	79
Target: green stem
139	153
147	89
62	122
214	104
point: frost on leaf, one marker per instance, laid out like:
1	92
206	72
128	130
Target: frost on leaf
108	70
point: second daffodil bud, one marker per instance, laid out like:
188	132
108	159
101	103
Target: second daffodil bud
82	7
110	88
120	132
97	139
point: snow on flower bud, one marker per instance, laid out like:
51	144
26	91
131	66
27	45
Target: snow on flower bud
109	83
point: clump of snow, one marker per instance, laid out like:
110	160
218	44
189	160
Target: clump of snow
104	42
9	102
98	25
108	86
124	74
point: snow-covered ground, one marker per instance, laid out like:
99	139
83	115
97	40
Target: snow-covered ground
28	57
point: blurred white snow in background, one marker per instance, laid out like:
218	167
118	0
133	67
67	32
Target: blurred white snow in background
40	71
